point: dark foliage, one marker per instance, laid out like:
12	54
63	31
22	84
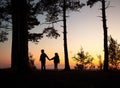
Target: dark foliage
83	60
3	35
114	53
5	19
5	11
34	9
34	37
54	8
51	32
92	2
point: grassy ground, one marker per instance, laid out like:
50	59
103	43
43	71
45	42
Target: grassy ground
60	79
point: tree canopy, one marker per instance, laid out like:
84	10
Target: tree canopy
114	53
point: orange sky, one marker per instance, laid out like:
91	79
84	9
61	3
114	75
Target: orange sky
84	29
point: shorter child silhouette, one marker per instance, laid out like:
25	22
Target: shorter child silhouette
56	61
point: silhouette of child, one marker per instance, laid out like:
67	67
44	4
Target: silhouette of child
56	61
43	57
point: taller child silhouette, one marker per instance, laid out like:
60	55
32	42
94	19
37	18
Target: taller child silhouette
43	57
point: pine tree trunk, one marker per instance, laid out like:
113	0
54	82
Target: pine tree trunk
105	68
67	67
19	54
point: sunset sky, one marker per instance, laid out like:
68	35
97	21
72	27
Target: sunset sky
84	29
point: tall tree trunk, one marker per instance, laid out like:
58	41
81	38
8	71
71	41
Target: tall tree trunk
105	68
67	67
19	54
